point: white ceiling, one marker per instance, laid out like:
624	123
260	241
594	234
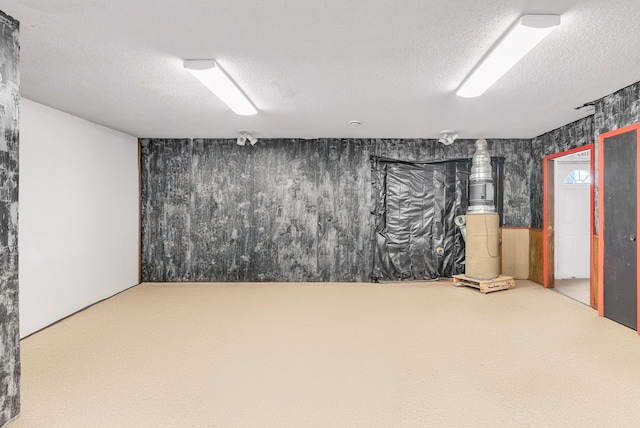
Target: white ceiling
312	66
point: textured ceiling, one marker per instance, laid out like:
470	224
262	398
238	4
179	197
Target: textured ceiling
312	66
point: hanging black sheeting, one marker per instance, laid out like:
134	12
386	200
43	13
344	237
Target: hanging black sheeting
415	205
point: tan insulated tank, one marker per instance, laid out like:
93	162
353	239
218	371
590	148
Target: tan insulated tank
482	252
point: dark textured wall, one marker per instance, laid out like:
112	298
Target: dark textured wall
620	109
283	210
9	331
575	134
617	110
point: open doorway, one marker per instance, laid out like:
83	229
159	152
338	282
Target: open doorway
572	216
568	223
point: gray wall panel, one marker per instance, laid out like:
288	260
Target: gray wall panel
220	212
9	138
517	172
288	211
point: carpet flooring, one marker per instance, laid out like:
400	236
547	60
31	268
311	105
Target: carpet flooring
574	288
332	355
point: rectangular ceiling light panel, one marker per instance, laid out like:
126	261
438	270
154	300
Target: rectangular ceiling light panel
209	73
527	32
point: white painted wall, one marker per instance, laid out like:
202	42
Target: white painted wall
78	214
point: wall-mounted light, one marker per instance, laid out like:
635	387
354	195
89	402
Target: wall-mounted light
209	73
244	136
448	137
523	36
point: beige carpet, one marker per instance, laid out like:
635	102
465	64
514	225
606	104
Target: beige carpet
332	355
574	288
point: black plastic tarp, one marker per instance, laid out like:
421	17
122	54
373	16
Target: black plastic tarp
415	236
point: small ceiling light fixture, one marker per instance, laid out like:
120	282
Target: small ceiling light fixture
209	73
448	137
244	136
355	122
523	36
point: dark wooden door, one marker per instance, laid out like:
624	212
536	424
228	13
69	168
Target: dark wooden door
620	227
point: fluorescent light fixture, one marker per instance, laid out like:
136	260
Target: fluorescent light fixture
209	73
523	36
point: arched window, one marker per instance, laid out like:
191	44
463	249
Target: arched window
578	176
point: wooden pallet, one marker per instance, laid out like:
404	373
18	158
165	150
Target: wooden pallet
485	285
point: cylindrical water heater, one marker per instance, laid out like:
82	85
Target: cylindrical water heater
482	252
